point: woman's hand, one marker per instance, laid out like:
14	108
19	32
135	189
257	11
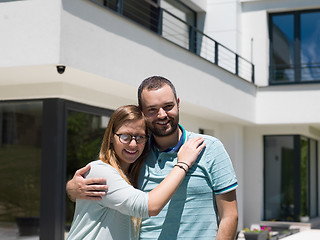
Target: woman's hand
190	150
187	155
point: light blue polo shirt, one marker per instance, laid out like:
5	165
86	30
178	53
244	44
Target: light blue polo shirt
191	213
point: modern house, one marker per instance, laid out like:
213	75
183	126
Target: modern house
246	72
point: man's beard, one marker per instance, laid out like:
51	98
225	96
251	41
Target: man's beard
159	132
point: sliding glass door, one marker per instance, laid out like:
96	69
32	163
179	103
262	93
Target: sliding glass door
290	178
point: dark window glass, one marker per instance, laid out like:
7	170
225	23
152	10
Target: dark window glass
310	46
112	4
85	132
295	47
283	47
142	12
20	171
279	178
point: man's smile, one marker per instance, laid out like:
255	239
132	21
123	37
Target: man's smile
163	122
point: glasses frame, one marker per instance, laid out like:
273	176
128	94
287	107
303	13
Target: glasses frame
131	138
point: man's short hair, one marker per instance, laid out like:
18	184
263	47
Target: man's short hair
154	83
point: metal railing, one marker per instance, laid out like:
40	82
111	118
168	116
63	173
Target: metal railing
176	30
289	73
189	37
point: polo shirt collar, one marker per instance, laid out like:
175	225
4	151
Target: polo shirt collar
171	149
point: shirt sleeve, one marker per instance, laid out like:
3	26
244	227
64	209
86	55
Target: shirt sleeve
223	177
120	196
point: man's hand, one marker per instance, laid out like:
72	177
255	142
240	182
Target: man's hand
82	188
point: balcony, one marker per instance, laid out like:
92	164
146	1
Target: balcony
174	29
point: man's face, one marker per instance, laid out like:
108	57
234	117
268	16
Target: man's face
161	110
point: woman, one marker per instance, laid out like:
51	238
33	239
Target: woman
121	156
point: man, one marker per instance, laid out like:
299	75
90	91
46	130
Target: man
204	206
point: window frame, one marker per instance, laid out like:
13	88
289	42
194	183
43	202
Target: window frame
54	140
296	51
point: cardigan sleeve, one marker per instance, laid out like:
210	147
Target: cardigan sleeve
120	196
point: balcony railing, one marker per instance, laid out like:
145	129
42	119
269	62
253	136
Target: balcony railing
179	32
304	73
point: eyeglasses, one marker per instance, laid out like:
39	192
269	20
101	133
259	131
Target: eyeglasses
126	139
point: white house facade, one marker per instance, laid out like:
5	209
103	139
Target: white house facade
246	72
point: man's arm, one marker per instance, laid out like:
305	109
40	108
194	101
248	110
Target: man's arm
228	213
89	189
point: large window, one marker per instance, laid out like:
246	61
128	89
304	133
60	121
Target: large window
290	178
295	47
42	143
20	168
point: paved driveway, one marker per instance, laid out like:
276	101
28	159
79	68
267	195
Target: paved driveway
312	234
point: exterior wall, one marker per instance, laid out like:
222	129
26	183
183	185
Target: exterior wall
289	104
256	42
224	28
97	45
44	82
32	33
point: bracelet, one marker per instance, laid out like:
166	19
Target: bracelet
184	163
177	165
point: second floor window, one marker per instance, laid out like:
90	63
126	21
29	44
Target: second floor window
295	47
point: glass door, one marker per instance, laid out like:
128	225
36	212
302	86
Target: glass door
85	131
20	169
290	178
279	178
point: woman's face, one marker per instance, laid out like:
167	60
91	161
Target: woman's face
129	152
